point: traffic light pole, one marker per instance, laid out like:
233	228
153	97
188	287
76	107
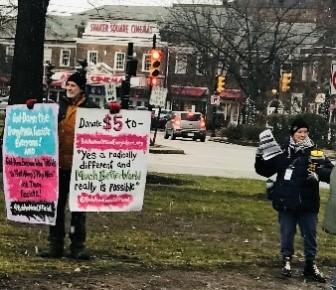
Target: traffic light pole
126	84
152	141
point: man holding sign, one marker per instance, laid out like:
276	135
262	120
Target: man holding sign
75	98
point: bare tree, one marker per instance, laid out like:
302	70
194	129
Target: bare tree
251	44
8	11
27	68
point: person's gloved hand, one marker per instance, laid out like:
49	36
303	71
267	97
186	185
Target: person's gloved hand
268	146
30	103
114	107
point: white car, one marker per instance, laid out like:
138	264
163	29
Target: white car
187	125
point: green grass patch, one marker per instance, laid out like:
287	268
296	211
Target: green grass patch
187	221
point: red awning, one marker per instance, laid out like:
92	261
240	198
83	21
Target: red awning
232	94
59	78
189	91
104	79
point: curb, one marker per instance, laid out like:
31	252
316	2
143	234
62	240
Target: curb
165	150
237	142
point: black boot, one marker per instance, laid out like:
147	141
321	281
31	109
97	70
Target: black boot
312	272
55	250
286	266
79	253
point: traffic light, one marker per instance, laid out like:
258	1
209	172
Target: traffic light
131	66
220	86
49	72
155	62
285	81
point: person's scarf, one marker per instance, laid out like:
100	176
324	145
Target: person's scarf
301	145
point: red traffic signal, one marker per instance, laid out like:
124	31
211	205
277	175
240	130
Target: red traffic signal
155	62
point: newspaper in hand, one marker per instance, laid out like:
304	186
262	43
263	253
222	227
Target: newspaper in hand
268	146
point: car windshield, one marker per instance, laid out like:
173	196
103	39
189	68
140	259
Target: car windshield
190	116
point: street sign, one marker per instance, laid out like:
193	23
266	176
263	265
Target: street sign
333	78
111	92
215	100
158	96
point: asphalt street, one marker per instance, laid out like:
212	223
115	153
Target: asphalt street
204	158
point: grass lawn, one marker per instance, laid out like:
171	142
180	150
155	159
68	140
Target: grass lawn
188	222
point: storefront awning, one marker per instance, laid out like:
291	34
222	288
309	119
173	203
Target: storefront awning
59	79
189	91
232	94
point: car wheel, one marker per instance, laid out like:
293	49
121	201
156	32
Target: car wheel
166	135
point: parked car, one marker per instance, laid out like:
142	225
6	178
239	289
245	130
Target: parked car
160	122
164	117
187	125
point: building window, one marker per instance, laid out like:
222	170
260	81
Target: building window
47	55
119	61
146	62
181	64
314	71
9	53
92	56
304	72
65	57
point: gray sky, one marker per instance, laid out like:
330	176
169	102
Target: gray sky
64	7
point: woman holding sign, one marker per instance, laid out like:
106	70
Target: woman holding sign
75	98
295	194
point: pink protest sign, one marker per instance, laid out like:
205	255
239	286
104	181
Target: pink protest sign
110	160
30	163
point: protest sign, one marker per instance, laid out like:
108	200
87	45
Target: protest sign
110	160
30	163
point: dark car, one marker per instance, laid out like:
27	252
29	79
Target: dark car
164	117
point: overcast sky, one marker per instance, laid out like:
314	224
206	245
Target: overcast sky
64	7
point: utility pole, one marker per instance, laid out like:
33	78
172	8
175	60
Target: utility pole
130	71
154	72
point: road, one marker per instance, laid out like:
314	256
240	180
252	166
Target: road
208	158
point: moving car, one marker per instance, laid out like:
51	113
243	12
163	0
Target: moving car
187	125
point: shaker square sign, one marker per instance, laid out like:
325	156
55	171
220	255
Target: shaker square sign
121	28
333	78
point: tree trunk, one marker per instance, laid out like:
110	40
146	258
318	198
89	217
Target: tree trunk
27	69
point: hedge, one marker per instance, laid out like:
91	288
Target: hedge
321	132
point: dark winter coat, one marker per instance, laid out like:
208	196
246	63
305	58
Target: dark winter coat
301	192
66	128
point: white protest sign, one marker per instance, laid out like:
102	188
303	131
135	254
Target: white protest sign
110	160
158	96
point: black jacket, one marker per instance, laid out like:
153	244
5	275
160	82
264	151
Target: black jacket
301	192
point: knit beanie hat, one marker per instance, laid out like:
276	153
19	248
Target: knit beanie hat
79	79
298	124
